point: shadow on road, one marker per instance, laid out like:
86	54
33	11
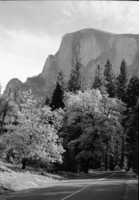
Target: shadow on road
106	182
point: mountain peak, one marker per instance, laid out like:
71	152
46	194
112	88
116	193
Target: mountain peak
91	47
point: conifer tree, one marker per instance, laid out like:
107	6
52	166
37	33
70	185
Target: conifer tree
57	98
122	81
121	87
132	93
58	95
109	79
132	145
132	122
77	79
99	81
98	78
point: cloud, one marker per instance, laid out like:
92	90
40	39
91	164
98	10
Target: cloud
66	12
24	54
113	16
30	31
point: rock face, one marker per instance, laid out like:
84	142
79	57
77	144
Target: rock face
12	86
37	84
91	47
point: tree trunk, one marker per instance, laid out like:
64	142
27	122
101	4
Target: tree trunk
24	163
86	167
122	154
106	162
2	122
111	163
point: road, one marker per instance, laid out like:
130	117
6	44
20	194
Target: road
104	186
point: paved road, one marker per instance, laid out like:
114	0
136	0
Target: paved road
105	186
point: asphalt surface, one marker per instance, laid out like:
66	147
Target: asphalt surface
104	186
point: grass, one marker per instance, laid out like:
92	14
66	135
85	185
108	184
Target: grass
13	178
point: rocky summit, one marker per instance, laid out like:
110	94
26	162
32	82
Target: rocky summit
91	47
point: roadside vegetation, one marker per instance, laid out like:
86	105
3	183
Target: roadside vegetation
80	127
14	179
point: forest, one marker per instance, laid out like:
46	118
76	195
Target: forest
80	127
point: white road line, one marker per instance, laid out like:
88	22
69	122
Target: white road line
86	187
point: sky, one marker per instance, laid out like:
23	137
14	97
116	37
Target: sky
32	30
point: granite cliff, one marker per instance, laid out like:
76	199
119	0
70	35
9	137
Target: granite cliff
91	47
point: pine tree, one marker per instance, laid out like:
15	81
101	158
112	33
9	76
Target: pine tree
109	79
99	80
58	95
57	98
121	87
132	125
77	79
132	145
132	93
122	81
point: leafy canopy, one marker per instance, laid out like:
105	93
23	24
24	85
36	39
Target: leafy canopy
35	134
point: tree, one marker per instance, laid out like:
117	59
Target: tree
58	94
122	81
8	109
77	79
132	145
92	125
57	98
131	125
99	81
132	92
47	100
35	136
61	79
98	78
109	79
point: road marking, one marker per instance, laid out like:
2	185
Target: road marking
86	187
82	189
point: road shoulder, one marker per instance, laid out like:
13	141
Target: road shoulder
131	192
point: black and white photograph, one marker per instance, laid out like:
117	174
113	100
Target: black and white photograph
69	100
